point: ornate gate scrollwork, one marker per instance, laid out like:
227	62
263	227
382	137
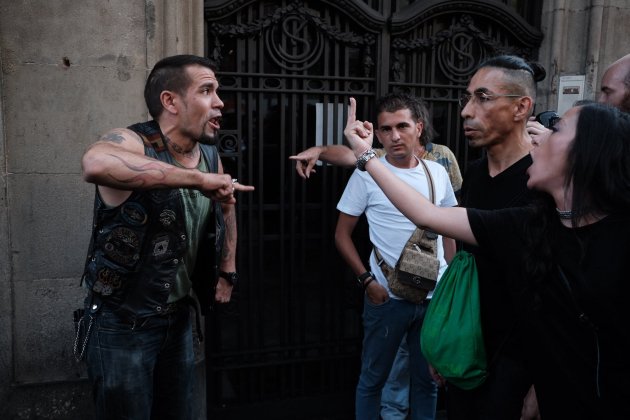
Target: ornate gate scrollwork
295	44
294	37
473	30
286	69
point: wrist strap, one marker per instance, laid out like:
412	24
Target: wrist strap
365	276
363	159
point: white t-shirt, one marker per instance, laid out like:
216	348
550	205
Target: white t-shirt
389	229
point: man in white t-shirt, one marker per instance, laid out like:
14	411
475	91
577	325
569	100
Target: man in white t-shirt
387	317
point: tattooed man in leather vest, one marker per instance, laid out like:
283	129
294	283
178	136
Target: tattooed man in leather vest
163	220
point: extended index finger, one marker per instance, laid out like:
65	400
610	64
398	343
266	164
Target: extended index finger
352	111
240	187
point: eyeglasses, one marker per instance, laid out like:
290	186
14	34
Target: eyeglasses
483	97
548	118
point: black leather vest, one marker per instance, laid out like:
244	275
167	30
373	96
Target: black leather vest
137	247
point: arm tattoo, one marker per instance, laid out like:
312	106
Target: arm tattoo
117	136
230	236
140	180
114	137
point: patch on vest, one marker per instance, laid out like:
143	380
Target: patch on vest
167	217
134	214
106	281
122	246
160	246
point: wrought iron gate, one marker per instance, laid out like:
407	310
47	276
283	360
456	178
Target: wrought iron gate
288	347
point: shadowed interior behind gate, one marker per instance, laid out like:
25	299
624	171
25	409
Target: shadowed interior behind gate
288	346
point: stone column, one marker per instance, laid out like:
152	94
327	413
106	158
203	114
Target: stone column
174	27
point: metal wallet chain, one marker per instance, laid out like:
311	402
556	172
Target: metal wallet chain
79	356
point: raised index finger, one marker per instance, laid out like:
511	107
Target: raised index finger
352	111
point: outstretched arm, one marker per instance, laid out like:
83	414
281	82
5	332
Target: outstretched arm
448	221
118	165
335	154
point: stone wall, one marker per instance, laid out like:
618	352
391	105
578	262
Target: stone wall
582	37
70	71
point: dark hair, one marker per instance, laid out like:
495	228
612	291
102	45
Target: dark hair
393	102
521	75
582	102
170	74
599	161
598	171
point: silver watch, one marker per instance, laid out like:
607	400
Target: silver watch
365	156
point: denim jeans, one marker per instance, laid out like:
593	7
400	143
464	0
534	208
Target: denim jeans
142	370
395	394
384	326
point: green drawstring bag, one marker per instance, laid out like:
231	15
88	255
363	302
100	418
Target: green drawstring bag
451	337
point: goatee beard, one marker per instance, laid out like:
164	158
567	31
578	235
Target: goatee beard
209	140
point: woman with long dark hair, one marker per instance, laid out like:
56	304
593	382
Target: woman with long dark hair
567	255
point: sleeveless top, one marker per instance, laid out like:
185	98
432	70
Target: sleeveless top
137	247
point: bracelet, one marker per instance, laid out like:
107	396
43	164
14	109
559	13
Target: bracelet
363	159
367	282
365	276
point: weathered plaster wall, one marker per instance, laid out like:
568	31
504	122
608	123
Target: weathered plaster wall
6	337
581	37
70	71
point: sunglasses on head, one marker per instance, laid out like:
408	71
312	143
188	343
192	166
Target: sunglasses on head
548	118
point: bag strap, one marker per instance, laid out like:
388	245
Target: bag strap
585	320
429	181
386	269
417	234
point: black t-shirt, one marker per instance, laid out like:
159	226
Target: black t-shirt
570	358
481	191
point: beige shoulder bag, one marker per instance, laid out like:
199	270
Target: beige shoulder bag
416	271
